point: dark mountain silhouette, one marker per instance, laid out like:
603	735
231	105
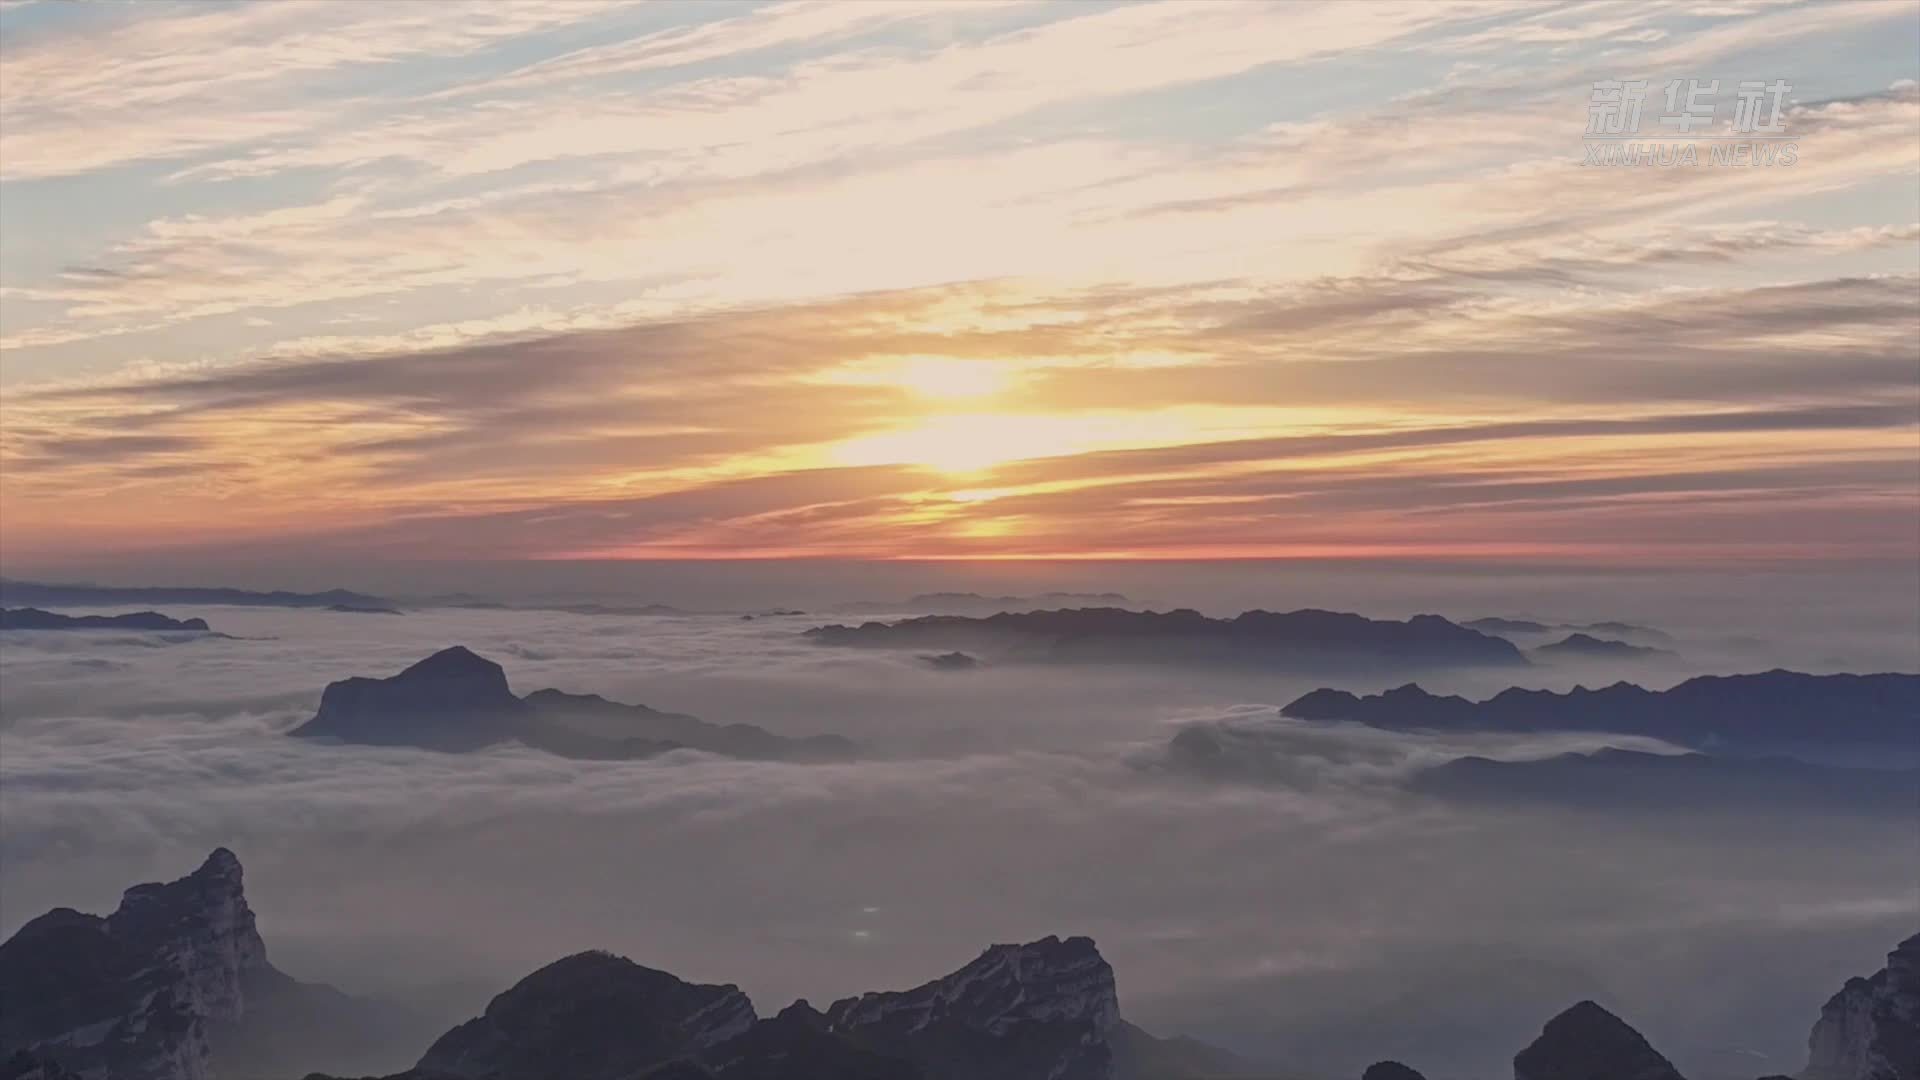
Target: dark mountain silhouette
32	592
1613	779
795	1045
969	603
457	701
174	983
590	1016
1870	1030
1589	1043
36	619
1295	640
453	700
27	1065
356	609
1769	708
1586	646
951	661
578	719
1529	626
1048	1008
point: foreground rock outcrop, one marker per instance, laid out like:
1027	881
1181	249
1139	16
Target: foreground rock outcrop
457	701
1870	1030
173	985
590	1016
1047	1008
1587	1042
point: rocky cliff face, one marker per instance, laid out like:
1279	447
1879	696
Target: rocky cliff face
175	985
1870	1030
27	1065
1589	1043
1044	1009
132	995
590	1016
795	1045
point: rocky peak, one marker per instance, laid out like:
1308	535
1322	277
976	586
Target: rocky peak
1390	1070
132	995
1587	1042
460	665
201	927
1870	1030
1047	1008
590	1016
452	700
26	1065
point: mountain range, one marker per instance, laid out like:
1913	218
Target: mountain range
71	595
1583	646
1295	640
970	603
1496	625
1745	712
457	700
175	985
36	619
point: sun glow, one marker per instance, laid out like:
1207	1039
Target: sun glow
934	378
961	443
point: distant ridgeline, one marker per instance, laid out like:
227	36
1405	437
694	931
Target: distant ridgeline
35	619
967	603
1295	640
175	985
1771	707
35	593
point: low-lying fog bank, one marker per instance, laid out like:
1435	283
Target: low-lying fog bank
1323	917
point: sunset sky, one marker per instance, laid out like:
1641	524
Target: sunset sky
928	280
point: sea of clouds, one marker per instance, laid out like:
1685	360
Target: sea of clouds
1321	917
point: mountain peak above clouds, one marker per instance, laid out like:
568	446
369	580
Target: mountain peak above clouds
1586	1042
173	985
1870	1030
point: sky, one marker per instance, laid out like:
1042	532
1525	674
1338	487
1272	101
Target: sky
915	280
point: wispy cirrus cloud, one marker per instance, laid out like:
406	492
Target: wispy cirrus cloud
557	257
